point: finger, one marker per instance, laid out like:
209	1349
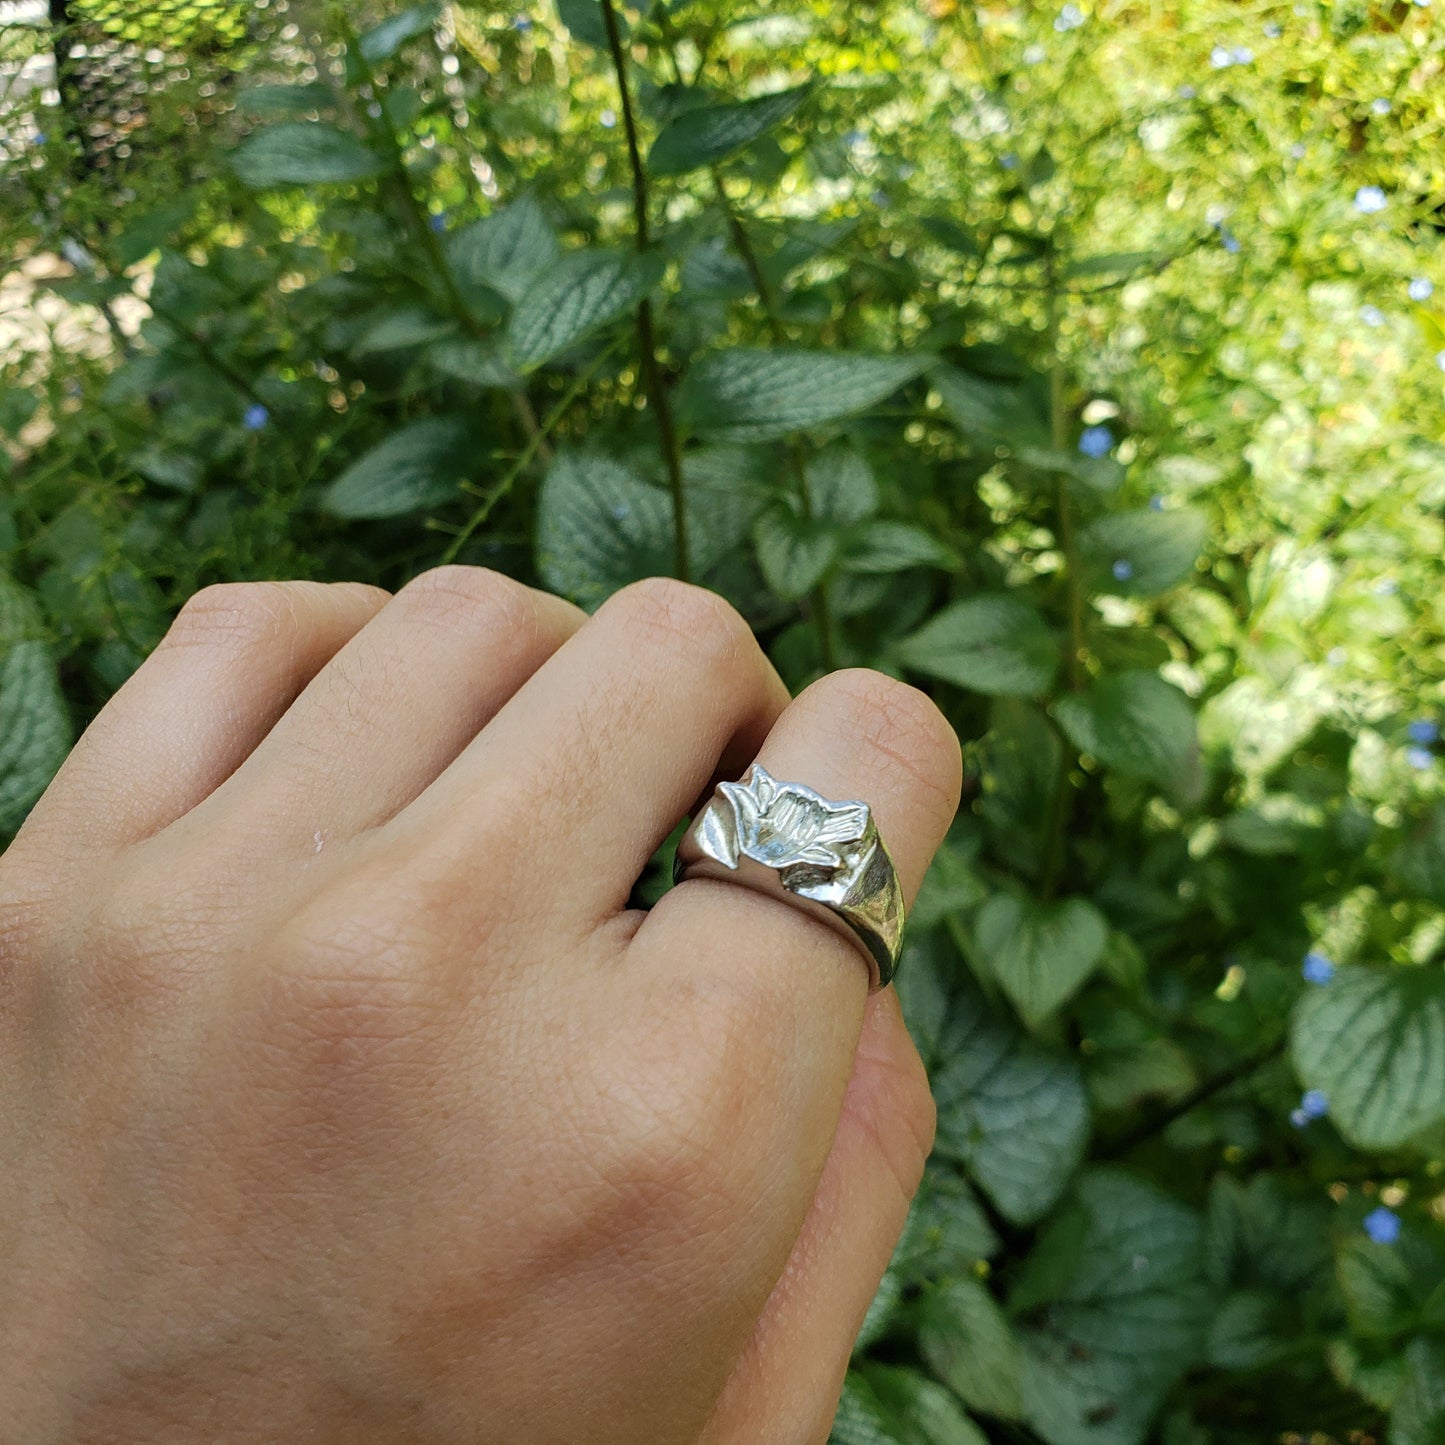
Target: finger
394	707
601	751
235	657
786	1383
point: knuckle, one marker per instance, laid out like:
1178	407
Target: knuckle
239	614
459	596
677	615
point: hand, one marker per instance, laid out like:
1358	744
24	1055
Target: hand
344	1098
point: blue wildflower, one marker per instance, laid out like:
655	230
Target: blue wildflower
1096	441
1243	55
1221	57
608	118
1299	1118
41	137
1424	731
1009	161
1421	288
1186	92
1385	587
522	23
1440	360
255	417
1123	570
1035	55
620	511
1372	316
1228	239
1382	1225
1273	29
1156	503
1317	968
854	138
438	221
1299	150
1069	18
1314	1105
1370	199
1421	759
1380	106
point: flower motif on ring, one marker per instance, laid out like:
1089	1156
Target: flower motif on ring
782	824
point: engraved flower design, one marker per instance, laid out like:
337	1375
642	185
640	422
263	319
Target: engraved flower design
782	824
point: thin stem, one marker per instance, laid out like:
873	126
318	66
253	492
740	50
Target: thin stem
652	377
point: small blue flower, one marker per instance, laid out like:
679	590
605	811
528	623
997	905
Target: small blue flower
1370	199
438	222
1380	105
1299	1118
1221	57
879	199
1317	968
620	512
1440	360
1156	503
1186	92
1069	18
1421	288
1382	1225
1421	759
1243	55
1096	441
608	118
1228	239
1123	569
1372	316
1314	1105
255	417
41	137
1385	587
1299	150
1035	55
854	138
1424	731
522	23
1273	29
1337	657
1009	161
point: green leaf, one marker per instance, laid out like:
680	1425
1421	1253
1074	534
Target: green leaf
582	292
707	134
35	732
1119	263
1152	551
1378	1286
505	251
276	102
1136	722
401	327
303	153
1040	953
995	644
890	546
888	1405
1419	1414
1418	864
968	1343
413	470
382	42
990	412
1125	1322
584	19
750	394
475	360
794	552
1373	1042
1012	1112
841	485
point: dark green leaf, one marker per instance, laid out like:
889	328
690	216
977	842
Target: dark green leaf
401	327
989	412
1138	723
748	394
1040	953
891	546
1137	554
969	1344
794	552
505	251
1419	1414
35	732
576	296
584	19
707	134
382	42
278	102
841	485
1373	1041
303	153
994	644
413	470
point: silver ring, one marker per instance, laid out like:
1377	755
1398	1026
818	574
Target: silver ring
788	841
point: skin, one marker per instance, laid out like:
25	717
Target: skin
343	1097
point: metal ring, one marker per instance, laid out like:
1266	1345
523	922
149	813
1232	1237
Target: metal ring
788	841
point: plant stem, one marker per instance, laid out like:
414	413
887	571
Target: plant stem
1062	796
652	377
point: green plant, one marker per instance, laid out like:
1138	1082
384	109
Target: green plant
1084	368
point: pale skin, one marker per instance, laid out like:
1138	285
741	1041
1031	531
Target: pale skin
343	1098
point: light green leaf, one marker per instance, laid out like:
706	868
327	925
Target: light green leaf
303	153
472	359
1378	1286
382	42
414	469
969	1344
1418	864
707	134
1012	1112
993	644
1152	551
599	527
1136	722
1040	953
582	292
1119	263
1125	1321
794	552
1419	1414
505	251
890	546
990	412
841	485
889	1405
403	326
749	394
275	102
584	19
1373	1042
35	732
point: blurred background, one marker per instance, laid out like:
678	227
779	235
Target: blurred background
1083	364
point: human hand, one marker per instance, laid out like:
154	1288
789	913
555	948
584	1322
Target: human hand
343	1097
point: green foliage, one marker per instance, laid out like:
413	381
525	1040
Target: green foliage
1082	366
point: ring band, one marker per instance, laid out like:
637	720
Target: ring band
788	841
